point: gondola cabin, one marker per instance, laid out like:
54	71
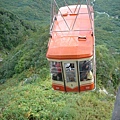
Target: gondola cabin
71	49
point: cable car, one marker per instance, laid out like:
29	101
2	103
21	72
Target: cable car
71	48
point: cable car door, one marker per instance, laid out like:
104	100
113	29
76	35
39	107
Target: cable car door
70	76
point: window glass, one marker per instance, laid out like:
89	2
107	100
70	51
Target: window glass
86	70
70	72
56	70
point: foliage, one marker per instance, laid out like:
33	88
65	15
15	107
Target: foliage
107	32
39	102
30	10
28	56
25	88
107	67
12	30
109	6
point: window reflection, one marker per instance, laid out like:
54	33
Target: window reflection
85	68
70	72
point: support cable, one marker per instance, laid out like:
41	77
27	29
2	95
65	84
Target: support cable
77	6
51	14
67	6
76	17
61	14
89	12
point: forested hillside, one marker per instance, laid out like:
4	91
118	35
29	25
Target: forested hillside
35	11
107	30
24	71
12	30
109	6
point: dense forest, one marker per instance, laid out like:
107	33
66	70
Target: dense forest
25	83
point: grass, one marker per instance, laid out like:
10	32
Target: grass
38	101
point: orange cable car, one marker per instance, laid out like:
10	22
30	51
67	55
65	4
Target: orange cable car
71	48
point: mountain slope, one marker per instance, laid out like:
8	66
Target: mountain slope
12	30
38	101
31	10
109	6
107	32
25	85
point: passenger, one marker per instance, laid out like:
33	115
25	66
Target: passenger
71	66
83	76
59	74
58	67
85	66
89	75
83	72
71	76
53	71
70	73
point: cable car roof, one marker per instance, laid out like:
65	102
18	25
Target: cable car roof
72	34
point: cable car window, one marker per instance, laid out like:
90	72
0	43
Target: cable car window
70	72
86	70
56	71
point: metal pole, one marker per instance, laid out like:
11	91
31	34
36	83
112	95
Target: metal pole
51	13
76	17
90	17
68	6
77	5
61	15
